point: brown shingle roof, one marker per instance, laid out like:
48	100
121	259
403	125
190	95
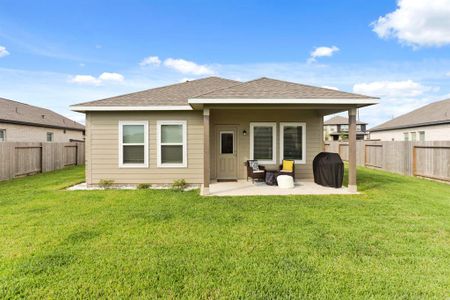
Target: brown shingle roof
267	88
21	113
338	120
431	114
175	94
220	88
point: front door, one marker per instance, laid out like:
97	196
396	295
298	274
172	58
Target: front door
226	159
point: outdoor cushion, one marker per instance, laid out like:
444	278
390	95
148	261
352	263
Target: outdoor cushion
254	165
288	165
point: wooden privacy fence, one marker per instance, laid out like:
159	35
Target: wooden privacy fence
425	159
21	159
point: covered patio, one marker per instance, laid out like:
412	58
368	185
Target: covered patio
247	188
268	121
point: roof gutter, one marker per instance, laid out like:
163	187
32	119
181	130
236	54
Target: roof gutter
84	108
40	125
363	101
410	126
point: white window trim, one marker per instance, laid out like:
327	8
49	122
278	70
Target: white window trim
159	144
274	140
282	125
406	136
121	144
52	136
422	133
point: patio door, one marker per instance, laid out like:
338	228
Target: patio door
226	158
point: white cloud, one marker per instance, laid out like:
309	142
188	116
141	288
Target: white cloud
3	51
57	92
448	74
330	87
406	88
91	80
151	60
417	23
187	67
396	98
322	52
85	79
185	79
106	76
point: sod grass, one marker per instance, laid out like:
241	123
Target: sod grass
391	241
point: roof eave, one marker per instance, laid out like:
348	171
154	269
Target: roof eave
324	101
409	126
17	122
86	108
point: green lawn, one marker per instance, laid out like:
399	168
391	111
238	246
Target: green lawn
392	241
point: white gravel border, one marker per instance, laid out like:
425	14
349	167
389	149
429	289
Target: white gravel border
84	187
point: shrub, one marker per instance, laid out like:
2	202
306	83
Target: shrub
106	183
179	184
143	186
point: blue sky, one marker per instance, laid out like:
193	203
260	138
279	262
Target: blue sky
53	53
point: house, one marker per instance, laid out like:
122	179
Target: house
20	122
428	123
207	129
336	129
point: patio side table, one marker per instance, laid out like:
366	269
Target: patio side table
271	177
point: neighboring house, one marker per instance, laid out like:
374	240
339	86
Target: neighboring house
428	123
336	129
20	122
207	129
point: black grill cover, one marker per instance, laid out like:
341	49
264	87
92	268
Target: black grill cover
328	169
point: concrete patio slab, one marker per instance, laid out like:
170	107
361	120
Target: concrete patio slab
244	188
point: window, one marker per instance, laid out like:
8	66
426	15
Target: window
358	128
293	141
2	135
406	136
226	142
133	144
413	136
49	136
263	142
344	127
172	146
422	136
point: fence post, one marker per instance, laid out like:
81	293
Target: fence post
12	161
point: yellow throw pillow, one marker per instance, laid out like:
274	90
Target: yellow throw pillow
288	165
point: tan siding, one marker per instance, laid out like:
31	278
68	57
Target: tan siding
432	133
102	131
243	118
102	143
25	133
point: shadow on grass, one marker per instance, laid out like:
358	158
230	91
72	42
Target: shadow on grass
81	236
155	216
47	264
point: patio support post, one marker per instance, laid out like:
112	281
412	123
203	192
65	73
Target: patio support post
352	150
206	172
